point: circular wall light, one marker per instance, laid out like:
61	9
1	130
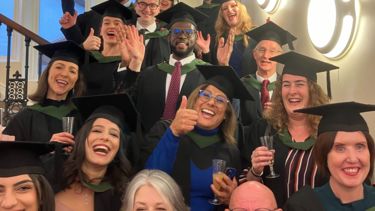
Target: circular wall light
269	6
332	25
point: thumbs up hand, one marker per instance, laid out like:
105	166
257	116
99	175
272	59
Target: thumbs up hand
92	42
185	119
67	20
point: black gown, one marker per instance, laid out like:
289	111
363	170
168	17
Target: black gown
286	159
102	77
190	162
251	111
36	123
148	92
157	49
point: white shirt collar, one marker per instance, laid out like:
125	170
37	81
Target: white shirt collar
271	79
183	61
150	28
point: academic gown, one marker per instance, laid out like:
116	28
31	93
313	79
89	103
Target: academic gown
279	185
157	49
251	111
149	90
241	60
188	159
323	199
208	25
90	19
101	77
39	122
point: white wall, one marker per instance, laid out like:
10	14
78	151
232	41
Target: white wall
354	81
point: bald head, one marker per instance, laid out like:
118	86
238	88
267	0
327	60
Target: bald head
252	195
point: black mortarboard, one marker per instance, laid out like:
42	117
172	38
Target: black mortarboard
340	116
67	51
181	12
68	6
113	9
271	31
222	1
118	108
22	157
225	79
298	64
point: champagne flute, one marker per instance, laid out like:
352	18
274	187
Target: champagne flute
267	141
68	123
218	172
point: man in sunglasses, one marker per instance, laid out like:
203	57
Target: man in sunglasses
159	88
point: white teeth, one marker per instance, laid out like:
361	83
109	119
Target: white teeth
208	112
62	81
101	149
294	100
351	170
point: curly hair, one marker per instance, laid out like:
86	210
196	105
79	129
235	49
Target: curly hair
245	24
278	117
118	171
228	126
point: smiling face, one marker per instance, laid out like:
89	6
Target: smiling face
102	143
18	193
349	160
165	4
295	93
210	113
182	44
108	29
147	10
231	13
62	77
264	50
147	198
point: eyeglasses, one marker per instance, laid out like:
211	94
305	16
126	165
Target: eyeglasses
187	32
144	5
206	96
271	51
258	209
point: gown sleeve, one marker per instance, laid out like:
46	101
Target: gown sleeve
164	155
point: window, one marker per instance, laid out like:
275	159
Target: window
7	9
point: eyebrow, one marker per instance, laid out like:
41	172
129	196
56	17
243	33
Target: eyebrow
21	182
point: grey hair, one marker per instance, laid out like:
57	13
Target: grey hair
163	184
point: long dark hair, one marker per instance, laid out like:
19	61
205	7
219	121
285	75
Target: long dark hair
46	197
118	171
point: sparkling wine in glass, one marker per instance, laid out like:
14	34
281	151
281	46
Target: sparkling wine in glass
267	141
218	172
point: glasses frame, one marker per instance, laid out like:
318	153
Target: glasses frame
272	52
186	32
210	96
143	5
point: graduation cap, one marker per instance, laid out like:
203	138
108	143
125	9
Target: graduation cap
271	31
181	12
22	157
225	79
340	116
298	64
118	108
67	51
113	8
222	1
